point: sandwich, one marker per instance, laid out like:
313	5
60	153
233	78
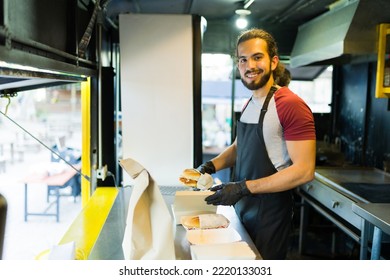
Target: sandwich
205	221
190	177
193	178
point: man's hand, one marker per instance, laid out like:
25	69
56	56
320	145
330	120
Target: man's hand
207	167
228	194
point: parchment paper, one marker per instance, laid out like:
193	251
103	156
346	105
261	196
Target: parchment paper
149	227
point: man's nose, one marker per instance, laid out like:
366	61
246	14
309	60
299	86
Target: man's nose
251	63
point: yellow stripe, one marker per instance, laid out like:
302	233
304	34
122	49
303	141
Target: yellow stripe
86	228
86	140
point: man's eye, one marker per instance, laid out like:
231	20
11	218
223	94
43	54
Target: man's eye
242	60
257	58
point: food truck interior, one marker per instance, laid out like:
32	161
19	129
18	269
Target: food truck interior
148	88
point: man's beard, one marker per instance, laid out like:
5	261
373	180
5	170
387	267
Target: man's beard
256	85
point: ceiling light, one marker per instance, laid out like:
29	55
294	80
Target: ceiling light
242	21
243	12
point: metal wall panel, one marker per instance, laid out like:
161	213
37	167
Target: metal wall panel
43	21
364	121
378	126
353	111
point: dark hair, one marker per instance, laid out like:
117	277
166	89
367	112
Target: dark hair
260	34
283	78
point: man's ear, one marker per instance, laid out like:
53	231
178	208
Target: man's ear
274	62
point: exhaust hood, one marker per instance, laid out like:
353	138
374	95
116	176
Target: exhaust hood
345	32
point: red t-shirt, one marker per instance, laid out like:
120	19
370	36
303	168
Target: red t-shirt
295	116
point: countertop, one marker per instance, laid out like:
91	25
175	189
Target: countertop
361	184
377	214
109	244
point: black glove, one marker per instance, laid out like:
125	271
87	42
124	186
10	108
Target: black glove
228	194
207	167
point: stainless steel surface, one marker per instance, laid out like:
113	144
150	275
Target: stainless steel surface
328	191
349	182
353	174
328	195
341	34
109	243
377	214
333	200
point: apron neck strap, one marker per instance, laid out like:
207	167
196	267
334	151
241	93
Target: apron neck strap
265	104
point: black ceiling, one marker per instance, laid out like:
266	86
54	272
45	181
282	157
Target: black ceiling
274	11
280	17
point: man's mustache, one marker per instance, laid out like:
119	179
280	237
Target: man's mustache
253	72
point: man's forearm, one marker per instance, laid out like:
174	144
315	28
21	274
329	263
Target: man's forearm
302	154
283	180
225	159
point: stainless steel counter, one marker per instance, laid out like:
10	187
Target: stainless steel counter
362	184
334	191
377	214
109	243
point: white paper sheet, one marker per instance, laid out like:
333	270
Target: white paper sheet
228	251
212	236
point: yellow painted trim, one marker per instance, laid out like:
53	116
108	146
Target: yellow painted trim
86	228
381	91
86	140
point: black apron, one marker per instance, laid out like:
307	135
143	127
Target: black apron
266	217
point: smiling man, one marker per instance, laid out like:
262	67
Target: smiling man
274	151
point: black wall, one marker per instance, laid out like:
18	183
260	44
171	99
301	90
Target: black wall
378	125
323	123
362	121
